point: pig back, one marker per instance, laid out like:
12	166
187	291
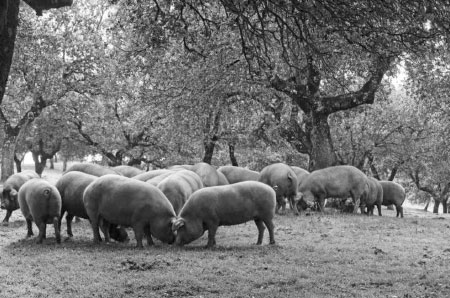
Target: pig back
238	174
232	204
281	176
337	181
393	193
71	187
120	200
127	171
92	169
40	199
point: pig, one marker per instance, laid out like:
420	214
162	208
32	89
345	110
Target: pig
283	179
151	174
374	197
71	187
222	179
238	174
155	180
128	171
211	207
92	169
177	188
207	173
393	194
336	182
293	202
11	188
40	202
113	199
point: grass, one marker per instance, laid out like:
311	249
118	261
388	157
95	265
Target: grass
330	255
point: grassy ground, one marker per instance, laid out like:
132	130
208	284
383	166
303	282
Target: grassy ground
329	255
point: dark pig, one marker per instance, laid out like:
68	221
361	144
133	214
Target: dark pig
283	179
374	197
393	194
11	189
40	202
211	207
71	187
113	199
333	182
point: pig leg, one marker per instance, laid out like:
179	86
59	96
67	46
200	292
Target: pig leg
7	216
270	227
379	209
212	229
399	211
42	231
29	228
105	229
69	219
148	235
260	225
139	234
95	228
57	229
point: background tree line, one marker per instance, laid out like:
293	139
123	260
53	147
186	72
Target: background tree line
311	83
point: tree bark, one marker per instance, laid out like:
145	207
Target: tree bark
39	163
232	156
8	150
209	150
18	163
322	153
436	206
52	164
9	18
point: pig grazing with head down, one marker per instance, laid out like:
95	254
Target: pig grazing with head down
283	179
178	187
11	189
393	194
211	207
374	197
40	202
336	182
71	187
119	200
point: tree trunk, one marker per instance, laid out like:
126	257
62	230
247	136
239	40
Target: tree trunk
209	150
436	206
18	163
322	153
39	163
426	206
52	164
7	40
8	150
232	156
64	163
444	206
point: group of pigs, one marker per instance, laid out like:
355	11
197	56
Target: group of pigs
180	203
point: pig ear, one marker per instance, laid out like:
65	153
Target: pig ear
13	193
177	223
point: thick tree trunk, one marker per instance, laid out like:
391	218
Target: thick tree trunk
39	163
427	204
8	32
436	206
8	150
232	156
52	164
322	153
